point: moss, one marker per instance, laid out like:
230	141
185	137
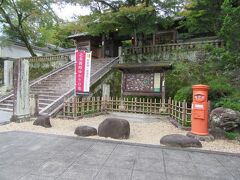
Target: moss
114	79
37	72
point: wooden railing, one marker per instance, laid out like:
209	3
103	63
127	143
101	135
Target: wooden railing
171	47
77	107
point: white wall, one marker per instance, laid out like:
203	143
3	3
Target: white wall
14	51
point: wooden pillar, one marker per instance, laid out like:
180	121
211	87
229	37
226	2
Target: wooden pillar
163	86
8	74
21	103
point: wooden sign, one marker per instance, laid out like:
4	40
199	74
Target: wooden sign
143	84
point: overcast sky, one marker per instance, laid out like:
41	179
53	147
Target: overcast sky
67	12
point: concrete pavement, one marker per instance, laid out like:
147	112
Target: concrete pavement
33	156
5	117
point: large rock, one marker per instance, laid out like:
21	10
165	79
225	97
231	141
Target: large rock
85	131
43	120
226	119
114	128
178	140
217	133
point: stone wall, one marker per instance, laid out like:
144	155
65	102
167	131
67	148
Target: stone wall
192	51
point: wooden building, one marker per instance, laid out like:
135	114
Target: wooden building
101	46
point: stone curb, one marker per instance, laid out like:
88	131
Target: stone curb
132	144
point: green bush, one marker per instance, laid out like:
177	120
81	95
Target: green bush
232	102
219	88
232	135
184	93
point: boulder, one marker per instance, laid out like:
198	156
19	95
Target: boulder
43	120
114	128
85	131
217	133
207	138
178	140
226	119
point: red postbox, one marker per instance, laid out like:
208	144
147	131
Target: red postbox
199	116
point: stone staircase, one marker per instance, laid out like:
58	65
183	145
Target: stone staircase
53	87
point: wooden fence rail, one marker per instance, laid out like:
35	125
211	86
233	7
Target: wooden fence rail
78	107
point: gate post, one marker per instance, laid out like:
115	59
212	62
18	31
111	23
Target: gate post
8	74
120	54
21	103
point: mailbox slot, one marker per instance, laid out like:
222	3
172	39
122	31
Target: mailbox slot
198	114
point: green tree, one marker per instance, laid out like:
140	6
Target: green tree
58	34
203	16
127	21
130	17
231	24
22	19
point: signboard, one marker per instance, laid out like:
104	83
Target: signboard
142	84
139	82
82	72
157	81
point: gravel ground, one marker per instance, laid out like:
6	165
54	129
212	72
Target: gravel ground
142	131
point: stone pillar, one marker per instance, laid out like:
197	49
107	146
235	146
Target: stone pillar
120	54
21	104
34	105
8	74
106	90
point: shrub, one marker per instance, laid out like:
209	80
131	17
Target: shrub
232	102
232	135
184	93
219	88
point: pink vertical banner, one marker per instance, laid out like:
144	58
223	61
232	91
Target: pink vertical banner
80	71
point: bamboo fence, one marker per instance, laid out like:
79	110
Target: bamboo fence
79	106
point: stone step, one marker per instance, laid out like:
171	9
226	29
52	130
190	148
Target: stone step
52	94
8	101
52	97
6	109
41	87
5	105
49	101
43	104
38	91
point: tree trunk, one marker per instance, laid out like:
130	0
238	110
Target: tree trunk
28	46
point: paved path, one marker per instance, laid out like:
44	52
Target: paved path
5	117
31	156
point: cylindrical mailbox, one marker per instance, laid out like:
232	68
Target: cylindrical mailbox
199	116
